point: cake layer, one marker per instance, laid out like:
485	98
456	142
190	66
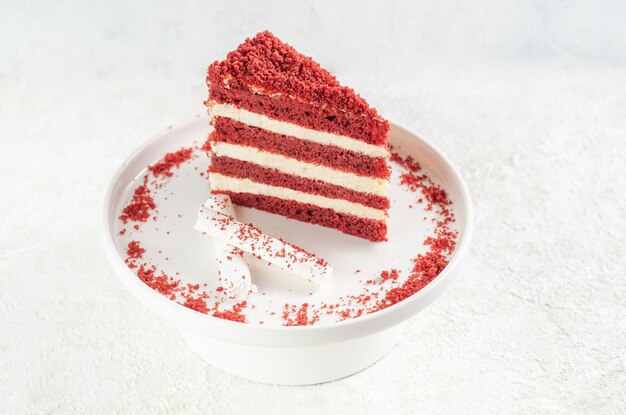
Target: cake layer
373	230
243	169
295	167
277	126
220	182
312	116
235	132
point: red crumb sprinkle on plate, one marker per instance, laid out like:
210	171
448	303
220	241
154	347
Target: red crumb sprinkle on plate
379	289
141	206
170	160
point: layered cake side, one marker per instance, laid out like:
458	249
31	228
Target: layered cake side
288	139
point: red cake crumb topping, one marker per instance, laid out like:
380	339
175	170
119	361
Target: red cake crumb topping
235	314
141	205
389	275
293	316
301	255
134	250
163	283
173	288
428	265
278	70
206	146
265	61
197	304
408	162
169	161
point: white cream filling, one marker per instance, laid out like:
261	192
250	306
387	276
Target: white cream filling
233	184
289	165
285	128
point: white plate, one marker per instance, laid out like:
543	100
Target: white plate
173	246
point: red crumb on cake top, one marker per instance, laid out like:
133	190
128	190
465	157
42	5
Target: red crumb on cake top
266	62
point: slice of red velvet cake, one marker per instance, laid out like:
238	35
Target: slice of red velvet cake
289	139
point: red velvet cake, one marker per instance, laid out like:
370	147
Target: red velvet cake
289	139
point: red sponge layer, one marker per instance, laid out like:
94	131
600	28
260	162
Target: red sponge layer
246	170
364	228
234	132
309	115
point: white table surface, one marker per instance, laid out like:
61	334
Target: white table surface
535	323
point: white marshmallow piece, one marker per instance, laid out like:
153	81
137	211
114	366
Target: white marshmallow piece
222	226
233	268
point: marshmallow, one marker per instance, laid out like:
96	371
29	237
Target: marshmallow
233	268
215	220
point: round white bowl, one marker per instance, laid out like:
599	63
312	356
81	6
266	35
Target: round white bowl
290	355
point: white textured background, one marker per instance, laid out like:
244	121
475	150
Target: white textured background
528	98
